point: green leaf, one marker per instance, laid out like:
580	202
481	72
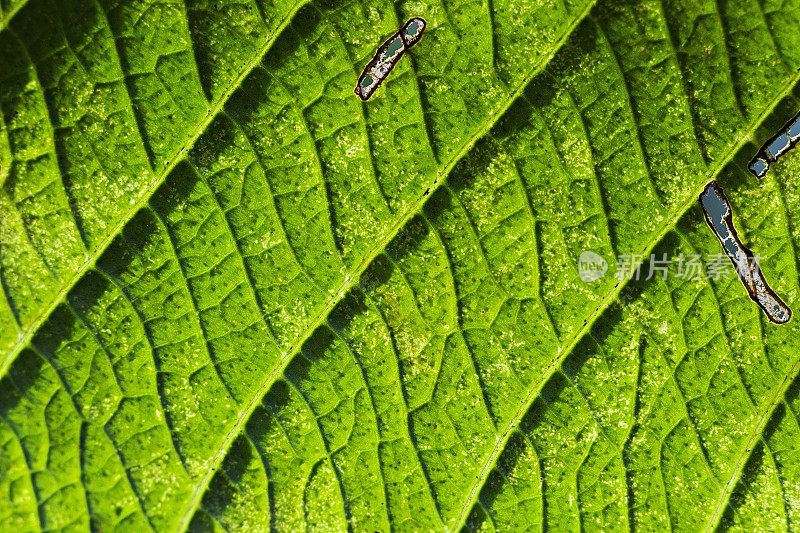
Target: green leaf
236	297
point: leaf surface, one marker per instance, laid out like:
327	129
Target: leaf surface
235	297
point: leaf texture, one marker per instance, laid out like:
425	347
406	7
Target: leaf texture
237	298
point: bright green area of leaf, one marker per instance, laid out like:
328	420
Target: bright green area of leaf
235	297
8	9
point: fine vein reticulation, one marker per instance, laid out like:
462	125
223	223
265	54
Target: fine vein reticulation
719	215
285	331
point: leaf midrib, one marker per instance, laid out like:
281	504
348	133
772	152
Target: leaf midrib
176	157
372	253
549	371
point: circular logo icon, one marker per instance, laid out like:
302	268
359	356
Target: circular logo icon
591	266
